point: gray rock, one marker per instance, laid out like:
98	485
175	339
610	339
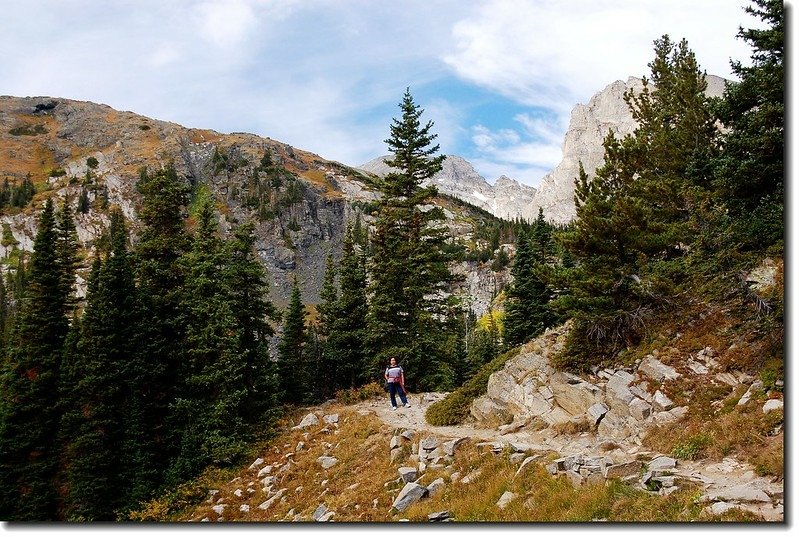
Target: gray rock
657	370
516	458
258	462
327	516
527	461
660	402
597	412
429	444
244	508
662	463
737	493
440	516
271	501
219	509
772	405
576	478
435	485
451	446
308	421
319	512
331	419
640	409
505	499
395	442
410	494
408	473
327	462
756	387
622	470
407	434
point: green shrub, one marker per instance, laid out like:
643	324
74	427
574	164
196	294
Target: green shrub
57	172
454	408
692	447
92	163
28	130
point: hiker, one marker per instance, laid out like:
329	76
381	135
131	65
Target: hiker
395	382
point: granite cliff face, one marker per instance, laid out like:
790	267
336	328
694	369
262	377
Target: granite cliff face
590	123
506	199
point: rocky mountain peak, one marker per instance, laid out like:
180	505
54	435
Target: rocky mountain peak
507	198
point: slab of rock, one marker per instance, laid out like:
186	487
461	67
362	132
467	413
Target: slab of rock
258	462
429	444
622	470
697	368
435	485
308	421
657	370
407	435
408	473
661	403
440	516
662	463
395	442
275	497
327	462
597	412
331	419
505	499
319	512
410	494
327	516
219	509
639	409
244	508
772	405
737	493
452	445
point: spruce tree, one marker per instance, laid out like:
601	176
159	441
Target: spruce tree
248	289
408	265
528	312
291	358
345	348
162	242
207	412
749	172
29	386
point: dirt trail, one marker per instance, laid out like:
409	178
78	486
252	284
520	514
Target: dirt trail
712	477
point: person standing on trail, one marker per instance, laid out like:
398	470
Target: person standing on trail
395	381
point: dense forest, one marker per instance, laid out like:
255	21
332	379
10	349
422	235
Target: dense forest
165	368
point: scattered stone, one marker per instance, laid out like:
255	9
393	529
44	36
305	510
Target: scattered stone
218	509
727	378
258	462
422	466
520	447
408	473
511	427
327	462
266	470
662	463
516	458
410	494
471	476
244	508
407	435
624	469
597	412
576	478
657	370
440	516
327	516
308	421
660	402
275	497
719	508
300	446
429	444
319	512
455	476
772	405
452	445
526	462
737	493
435	485
331	419
640	409
505	499
395	442
237	493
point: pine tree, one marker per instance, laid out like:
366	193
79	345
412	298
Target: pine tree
528	312
247	289
345	348
749	171
207	412
110	450
163	241
29	387
291	364
408	267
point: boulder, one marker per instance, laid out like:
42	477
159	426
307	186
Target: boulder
308	421
410	494
597	412
450	446
327	462
639	409
737	493
657	370
505	499
258	462
772	405
756	387
429	444
660	402
395	442
331	419
662	463
435	485
440	516
621	470
319	512
408	473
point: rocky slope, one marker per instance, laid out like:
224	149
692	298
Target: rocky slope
301	216
589	124
506	199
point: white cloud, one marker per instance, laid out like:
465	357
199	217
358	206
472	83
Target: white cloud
555	54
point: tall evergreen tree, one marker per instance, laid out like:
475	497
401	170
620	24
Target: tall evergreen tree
528	312
163	241
247	289
291	359
641	209
408	267
345	348
109	448
29	386
750	169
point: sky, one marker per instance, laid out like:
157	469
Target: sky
498	78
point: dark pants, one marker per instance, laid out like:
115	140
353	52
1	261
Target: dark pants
394	388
